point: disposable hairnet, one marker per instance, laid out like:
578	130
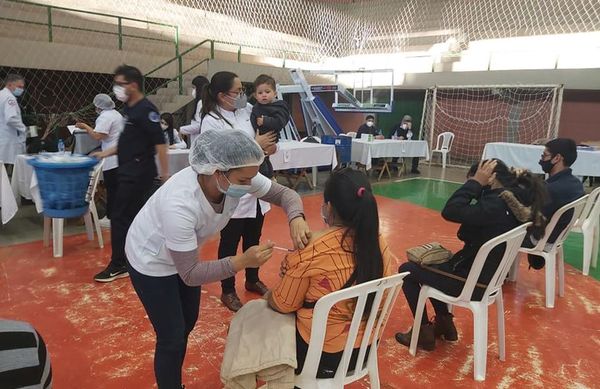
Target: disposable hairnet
224	150
103	102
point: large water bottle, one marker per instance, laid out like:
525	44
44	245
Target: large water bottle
61	146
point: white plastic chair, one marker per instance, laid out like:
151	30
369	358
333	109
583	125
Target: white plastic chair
553	252
589	225
443	146
385	291
90	217
492	294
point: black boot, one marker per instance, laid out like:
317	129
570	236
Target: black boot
426	337
444	328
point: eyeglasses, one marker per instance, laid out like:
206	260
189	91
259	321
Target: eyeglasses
239	91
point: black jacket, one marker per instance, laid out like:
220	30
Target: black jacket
401	132
480	221
276	116
563	188
364	129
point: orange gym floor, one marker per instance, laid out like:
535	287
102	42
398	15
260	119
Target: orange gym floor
98	335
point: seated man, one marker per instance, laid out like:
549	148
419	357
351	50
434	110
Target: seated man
563	187
349	252
404	131
368	127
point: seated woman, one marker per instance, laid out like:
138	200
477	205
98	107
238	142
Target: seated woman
172	137
494	200
349	251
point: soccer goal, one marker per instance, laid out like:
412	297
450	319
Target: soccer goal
490	113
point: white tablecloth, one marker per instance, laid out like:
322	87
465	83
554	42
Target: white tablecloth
178	160
363	151
8	203
298	155
528	156
24	182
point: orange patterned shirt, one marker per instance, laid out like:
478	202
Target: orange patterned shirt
321	268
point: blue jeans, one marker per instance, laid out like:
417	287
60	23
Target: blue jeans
172	308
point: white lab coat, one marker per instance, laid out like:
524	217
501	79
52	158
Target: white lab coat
12	129
193	129
239	120
178	143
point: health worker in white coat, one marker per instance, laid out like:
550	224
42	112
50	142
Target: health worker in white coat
224	108
163	241
12	130
108	128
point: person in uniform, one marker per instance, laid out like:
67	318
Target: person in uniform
140	140
12	130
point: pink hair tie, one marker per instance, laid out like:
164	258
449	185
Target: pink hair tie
360	192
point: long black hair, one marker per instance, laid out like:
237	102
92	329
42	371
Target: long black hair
220	82
199	82
529	189
168	118
350	195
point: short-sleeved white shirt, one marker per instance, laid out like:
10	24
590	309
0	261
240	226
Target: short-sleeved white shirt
178	217
111	123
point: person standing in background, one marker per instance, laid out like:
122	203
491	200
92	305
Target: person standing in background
141	139
108	127
12	130
404	131
225	109
193	129
171	135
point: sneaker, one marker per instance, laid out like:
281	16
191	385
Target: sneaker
257	287
111	273
231	301
104	222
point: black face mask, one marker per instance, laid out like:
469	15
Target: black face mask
546	165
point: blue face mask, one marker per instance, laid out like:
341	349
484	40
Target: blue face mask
18	92
234	190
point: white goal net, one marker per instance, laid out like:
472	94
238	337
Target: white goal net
477	115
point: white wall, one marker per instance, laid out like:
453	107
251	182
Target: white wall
570	78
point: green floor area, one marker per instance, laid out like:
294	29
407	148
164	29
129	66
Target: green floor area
432	194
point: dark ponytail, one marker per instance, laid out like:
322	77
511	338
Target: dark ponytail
220	82
350	195
529	189
167	117
199	82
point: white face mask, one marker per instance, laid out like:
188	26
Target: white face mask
370	124
164	127
194	93
120	93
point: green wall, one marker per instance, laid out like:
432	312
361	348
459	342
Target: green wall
406	102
